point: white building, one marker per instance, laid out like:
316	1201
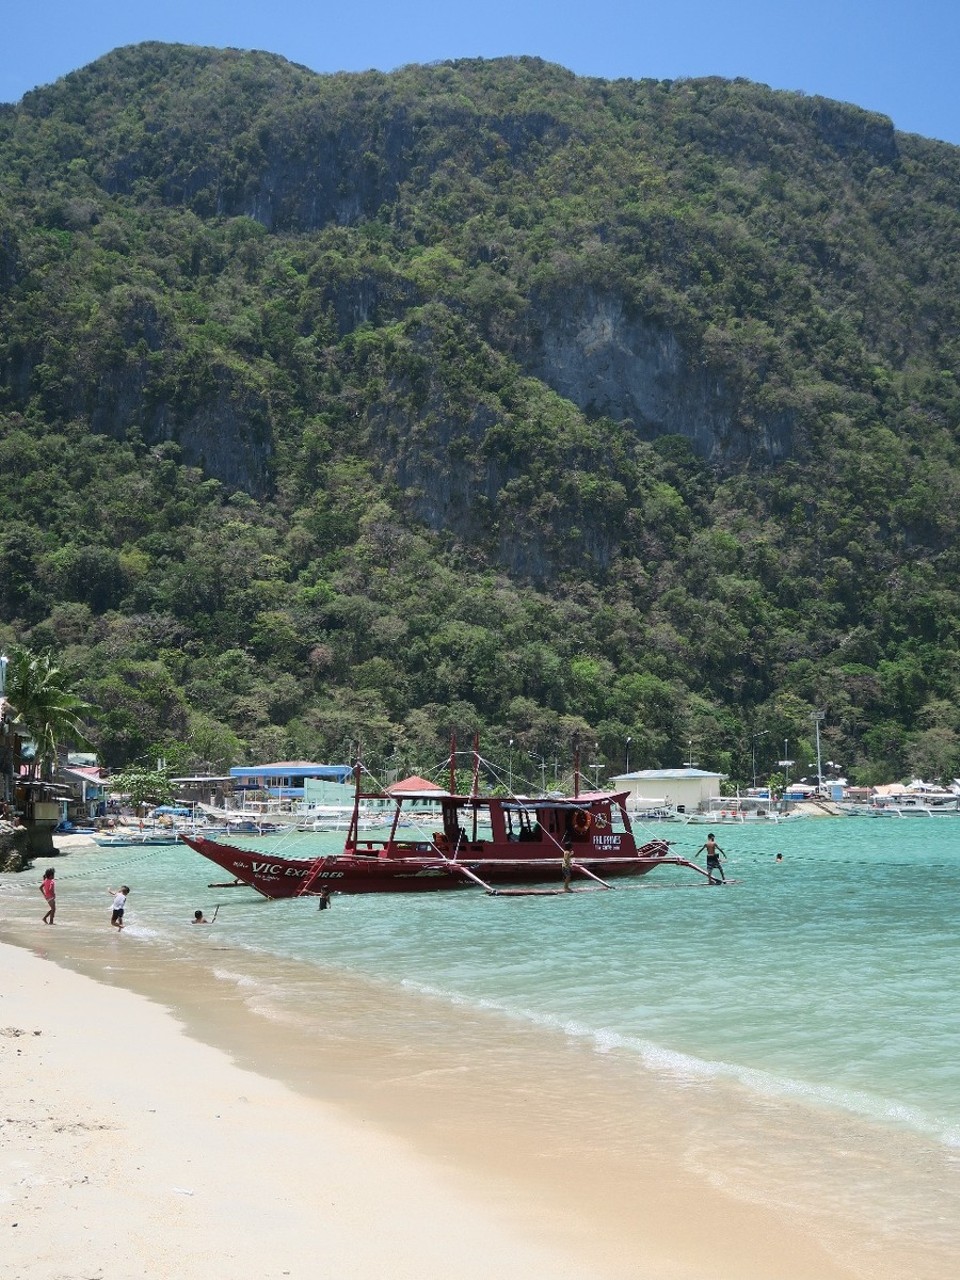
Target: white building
683	789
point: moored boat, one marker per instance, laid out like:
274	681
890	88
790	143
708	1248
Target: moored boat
500	844
125	838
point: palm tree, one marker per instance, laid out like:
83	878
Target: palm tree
47	707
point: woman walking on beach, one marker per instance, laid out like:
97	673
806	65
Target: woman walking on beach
49	890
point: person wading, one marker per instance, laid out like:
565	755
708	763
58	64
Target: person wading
714	854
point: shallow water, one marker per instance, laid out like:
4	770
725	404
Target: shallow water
805	1017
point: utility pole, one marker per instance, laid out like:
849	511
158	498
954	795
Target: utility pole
543	771
816	717
785	763
763	733
629	740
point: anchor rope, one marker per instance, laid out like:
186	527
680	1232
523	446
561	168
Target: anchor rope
117	866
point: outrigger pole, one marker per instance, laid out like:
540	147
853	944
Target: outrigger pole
488	888
576	866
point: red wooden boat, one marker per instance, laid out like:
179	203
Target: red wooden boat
484	841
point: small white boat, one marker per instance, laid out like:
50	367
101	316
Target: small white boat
123	839
738	812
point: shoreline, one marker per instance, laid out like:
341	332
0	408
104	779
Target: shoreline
141	1150
140	1123
559	1162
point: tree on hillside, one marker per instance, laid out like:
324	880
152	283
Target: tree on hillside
47	705
143	786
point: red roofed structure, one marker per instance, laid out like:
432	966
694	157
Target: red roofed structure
417	787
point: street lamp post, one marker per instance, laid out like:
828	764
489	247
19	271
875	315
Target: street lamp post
629	740
785	764
762	734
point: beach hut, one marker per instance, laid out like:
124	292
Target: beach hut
686	790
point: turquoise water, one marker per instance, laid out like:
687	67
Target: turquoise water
829	979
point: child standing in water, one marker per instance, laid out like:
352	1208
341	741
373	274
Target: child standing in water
49	890
119	903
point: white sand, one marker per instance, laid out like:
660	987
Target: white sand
130	1150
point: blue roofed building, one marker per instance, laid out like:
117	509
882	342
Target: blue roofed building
286	779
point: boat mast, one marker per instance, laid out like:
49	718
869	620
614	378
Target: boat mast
475	786
576	772
353	832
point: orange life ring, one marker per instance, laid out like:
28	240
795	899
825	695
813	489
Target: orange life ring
581	822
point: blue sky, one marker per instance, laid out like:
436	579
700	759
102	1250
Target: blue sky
900	57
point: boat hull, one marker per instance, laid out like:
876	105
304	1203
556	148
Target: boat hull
418	871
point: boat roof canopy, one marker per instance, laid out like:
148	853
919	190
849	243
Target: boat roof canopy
447	799
567	803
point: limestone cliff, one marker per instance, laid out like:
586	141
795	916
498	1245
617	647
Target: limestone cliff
610	362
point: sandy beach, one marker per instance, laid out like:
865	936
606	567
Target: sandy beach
130	1149
153	1126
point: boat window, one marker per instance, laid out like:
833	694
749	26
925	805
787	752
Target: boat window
614	818
521	824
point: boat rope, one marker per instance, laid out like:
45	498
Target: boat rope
101	870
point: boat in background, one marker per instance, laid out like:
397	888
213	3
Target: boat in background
738	811
897	800
128	837
916	806
500	844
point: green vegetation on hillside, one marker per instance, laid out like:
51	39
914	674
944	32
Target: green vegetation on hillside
301	443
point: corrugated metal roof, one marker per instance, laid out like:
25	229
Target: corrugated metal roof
647	774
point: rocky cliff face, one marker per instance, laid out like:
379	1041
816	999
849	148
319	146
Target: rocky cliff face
227	432
613	363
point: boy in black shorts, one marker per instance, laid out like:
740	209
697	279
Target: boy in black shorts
119	902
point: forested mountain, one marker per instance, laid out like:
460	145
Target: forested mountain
480	396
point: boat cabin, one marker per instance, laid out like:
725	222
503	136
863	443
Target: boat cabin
511	828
